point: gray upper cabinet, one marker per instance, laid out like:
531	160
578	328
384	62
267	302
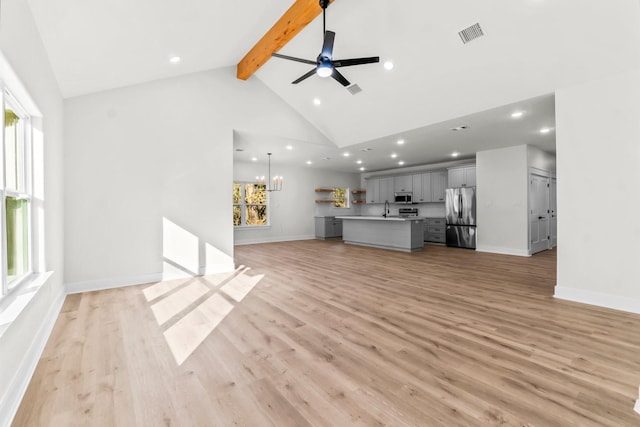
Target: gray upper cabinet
462	177
373	190
417	187
403	183
421	187
470	176
386	189
438	186
426	187
379	189
432	187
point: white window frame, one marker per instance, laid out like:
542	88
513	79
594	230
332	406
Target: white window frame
7	98
242	205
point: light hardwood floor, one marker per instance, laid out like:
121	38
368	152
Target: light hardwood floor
326	334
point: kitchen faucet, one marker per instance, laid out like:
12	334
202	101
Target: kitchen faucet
386	208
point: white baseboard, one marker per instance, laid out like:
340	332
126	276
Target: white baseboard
599	299
119	282
18	386
503	251
637	407
272	240
102	284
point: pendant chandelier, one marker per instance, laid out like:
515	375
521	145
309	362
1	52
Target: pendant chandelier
274	184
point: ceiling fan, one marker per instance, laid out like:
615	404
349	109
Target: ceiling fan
325	65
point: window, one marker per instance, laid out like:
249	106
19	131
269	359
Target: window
341	197
250	205
15	211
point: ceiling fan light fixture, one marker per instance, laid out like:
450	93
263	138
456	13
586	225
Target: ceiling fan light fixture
324	69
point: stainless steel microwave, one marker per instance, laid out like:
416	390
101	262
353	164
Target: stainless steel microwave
404	198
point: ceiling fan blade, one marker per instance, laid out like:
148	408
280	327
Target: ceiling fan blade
340	78
306	76
327	46
355	61
292	58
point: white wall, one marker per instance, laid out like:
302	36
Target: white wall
597	134
149	172
23	339
292	210
501	194
541	160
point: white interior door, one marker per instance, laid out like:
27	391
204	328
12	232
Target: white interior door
553	214
538	212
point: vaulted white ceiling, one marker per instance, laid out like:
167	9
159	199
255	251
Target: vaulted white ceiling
530	48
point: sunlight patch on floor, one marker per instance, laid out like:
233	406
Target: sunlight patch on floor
189	309
241	286
162	288
186	335
172	305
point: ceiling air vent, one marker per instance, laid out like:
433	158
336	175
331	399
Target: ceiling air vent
471	33
354	89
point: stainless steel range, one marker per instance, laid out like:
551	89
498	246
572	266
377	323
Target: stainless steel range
407	212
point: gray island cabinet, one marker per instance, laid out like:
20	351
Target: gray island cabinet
400	234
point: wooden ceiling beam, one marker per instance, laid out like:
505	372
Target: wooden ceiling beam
298	16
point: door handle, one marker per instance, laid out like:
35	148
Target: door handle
540	217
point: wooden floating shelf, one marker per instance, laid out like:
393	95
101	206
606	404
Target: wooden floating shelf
325	201
324	190
358	202
358	191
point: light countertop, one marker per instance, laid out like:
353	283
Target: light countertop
381	218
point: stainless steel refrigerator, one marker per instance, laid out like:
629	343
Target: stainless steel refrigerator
461	217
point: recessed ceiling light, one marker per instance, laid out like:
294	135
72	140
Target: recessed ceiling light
461	127
346	154
388	65
401	162
394	155
545	130
309	162
362	168
359	162
517	114
254	159
400	141
316	101
289	147
455	154
175	59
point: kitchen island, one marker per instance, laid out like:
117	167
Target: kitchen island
397	233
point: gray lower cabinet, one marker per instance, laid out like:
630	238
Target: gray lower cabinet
328	227
435	230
